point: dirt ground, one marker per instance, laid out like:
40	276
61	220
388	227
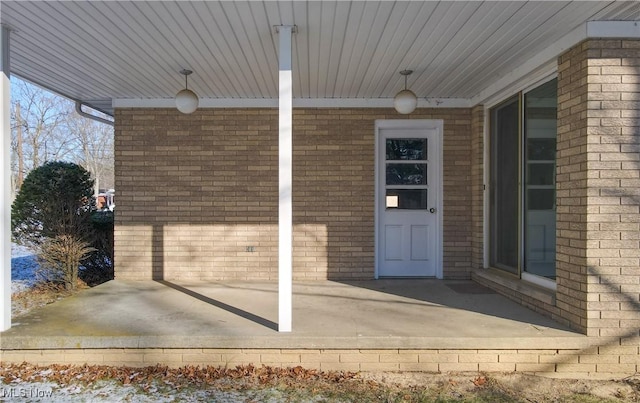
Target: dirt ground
40	295
512	387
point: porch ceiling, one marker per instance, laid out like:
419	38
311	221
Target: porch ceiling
103	50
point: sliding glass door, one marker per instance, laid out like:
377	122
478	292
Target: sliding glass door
540	129
505	171
522	186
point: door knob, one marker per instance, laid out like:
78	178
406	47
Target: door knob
432	210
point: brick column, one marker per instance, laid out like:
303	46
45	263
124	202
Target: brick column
571	185
598	181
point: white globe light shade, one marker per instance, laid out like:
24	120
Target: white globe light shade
405	102
186	101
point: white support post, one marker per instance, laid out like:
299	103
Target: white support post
285	179
5	181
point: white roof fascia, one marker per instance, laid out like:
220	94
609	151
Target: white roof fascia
613	29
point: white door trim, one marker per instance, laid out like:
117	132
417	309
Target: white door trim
410	124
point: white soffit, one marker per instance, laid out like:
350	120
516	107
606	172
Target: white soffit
344	53
544	64
541	65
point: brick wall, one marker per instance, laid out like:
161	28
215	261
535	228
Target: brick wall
597	362
613	163
477	186
457	190
197	194
194	192
571	189
599	187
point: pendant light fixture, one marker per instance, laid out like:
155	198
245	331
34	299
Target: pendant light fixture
405	101
186	100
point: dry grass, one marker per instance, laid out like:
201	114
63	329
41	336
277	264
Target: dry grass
303	385
41	294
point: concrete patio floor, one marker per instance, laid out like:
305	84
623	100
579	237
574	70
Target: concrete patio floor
380	314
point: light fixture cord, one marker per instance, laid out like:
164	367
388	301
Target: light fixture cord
405	81
186	79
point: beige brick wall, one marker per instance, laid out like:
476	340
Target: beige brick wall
333	171
477	186
194	192
571	188
599	187
598	362
613	177
197	194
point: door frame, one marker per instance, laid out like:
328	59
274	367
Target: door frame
426	124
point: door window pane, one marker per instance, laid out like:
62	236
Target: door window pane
406	149
406	174
407	199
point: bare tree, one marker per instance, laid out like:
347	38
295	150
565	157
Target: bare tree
45	127
94	149
19	145
38	117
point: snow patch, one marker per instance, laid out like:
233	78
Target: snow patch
24	264
112	391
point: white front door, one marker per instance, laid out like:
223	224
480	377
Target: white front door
408	198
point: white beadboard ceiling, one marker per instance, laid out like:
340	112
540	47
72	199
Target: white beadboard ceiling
98	51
